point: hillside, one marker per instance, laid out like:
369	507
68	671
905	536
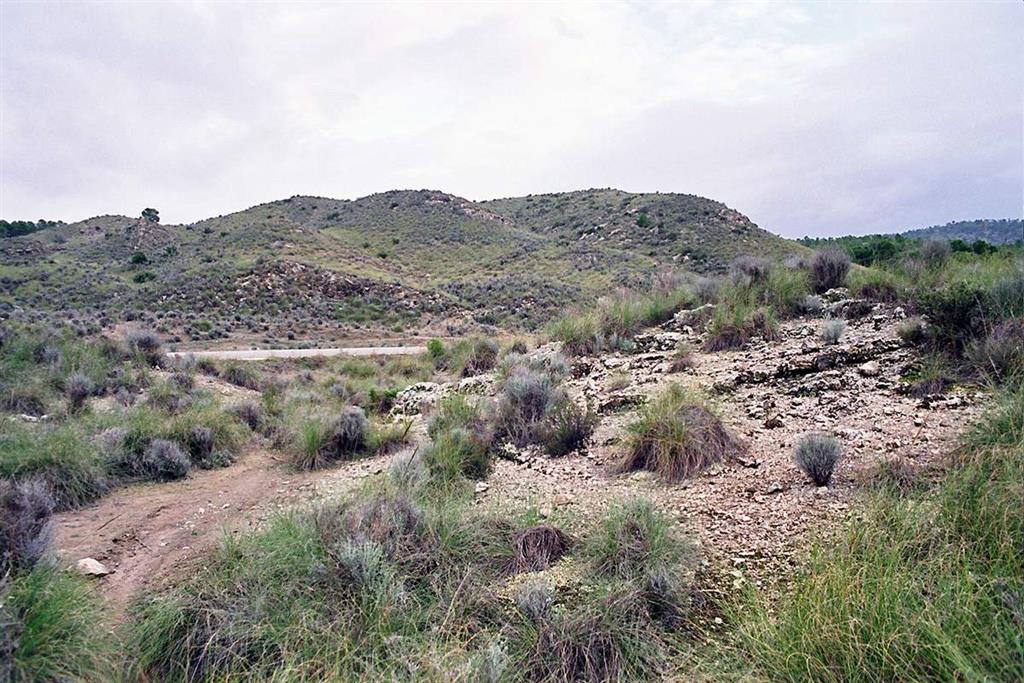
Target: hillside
409	262
1001	231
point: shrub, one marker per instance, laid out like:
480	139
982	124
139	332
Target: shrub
728	329
817	455
250	413
1000	355
241	376
458	452
935	253
749	270
410	472
25	531
162	460
523	402
580	334
913	331
677	435
454	411
633	541
606	637
534	599
348	435
78	387
810	305
567	428
832	331
59	456
145	344
829	267
482	358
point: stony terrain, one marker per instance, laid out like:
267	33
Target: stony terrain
750	514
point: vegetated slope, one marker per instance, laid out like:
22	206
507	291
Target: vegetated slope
408	261
993	231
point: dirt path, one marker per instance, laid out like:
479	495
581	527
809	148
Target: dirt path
151	533
264	354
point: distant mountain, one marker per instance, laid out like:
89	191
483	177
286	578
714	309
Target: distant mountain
401	260
993	231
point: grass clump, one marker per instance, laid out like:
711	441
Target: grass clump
55	628
58	455
321	442
567	428
634	541
677	435
922	585
817	455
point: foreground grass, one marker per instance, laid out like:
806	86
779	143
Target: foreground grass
923	586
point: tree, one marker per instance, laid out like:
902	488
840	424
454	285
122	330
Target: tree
151	215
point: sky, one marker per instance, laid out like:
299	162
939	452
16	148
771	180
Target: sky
811	119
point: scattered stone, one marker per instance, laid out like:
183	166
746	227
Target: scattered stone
870	369
92	567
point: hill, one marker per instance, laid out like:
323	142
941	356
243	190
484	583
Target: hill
406	261
1001	231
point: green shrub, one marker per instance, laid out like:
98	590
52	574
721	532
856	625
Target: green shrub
25	532
677	435
458	452
1000	354
523	403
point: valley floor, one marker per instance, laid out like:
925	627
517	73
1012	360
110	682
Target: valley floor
749	514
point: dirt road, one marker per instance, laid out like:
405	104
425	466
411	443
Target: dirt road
264	354
150	533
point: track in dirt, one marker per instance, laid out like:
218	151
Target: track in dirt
151	533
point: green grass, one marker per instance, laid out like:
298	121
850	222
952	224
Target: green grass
57	628
921	586
61	455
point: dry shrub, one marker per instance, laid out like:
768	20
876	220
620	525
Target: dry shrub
677	436
538	547
828	269
25	531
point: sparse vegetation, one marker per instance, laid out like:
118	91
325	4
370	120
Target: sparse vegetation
832	331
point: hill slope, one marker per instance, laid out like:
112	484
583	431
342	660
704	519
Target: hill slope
402	260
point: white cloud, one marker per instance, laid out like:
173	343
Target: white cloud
809	118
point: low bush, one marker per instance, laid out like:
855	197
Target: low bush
634	541
241	376
78	387
999	356
913	331
817	455
162	460
749	270
146	345
537	547
829	267
458	452
677	436
567	428
523	403
25	531
321	442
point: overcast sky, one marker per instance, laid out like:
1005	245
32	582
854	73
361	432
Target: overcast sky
809	118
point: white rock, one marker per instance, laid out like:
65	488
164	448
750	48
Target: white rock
91	567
